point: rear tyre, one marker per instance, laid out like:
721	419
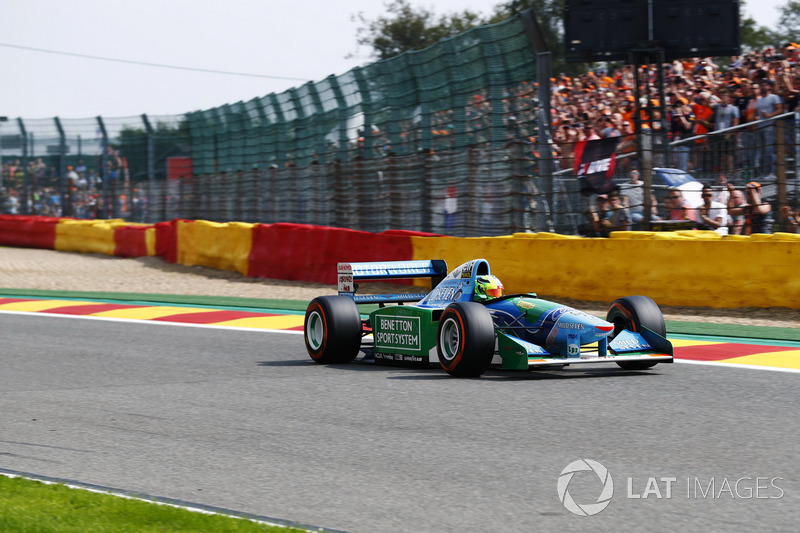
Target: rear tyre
632	313
332	329
465	339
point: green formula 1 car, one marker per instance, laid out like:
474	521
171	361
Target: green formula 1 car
466	323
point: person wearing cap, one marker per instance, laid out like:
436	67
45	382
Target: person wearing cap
628	108
758	217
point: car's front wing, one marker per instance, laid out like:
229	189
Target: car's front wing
589	358
514	353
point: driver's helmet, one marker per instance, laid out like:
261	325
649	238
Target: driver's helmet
488	287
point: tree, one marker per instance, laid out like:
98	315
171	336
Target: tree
406	28
753	36
789	23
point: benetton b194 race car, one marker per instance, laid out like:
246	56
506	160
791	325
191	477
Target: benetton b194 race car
466	324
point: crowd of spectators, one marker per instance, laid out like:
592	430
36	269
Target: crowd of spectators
702	97
38	189
726	211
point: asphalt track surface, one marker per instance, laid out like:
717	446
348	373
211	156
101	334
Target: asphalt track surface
243	420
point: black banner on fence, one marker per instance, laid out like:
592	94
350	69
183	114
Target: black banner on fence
594	165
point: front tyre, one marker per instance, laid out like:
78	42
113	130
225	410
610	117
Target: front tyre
633	313
465	339
332	329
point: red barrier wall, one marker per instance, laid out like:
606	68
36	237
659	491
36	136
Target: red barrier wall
167	240
28	231
310	253
130	241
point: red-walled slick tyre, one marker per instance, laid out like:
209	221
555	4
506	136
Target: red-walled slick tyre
465	339
332	329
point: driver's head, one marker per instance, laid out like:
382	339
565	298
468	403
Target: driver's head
488	287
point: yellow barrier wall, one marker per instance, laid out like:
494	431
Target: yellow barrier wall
672	268
150	241
88	236
211	244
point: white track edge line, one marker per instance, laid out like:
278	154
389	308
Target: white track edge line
738	365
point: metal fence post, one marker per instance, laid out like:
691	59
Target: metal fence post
519	198
65	187
472	222
646	152
2	170
107	211
796	171
24	162
780	168
427	196
341	114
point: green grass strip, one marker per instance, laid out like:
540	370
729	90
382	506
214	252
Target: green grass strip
35	507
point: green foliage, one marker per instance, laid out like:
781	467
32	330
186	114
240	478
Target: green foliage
788	30
753	36
406	28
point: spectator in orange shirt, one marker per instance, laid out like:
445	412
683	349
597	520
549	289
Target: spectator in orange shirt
702	114
628	109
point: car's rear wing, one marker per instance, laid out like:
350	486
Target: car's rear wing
349	274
